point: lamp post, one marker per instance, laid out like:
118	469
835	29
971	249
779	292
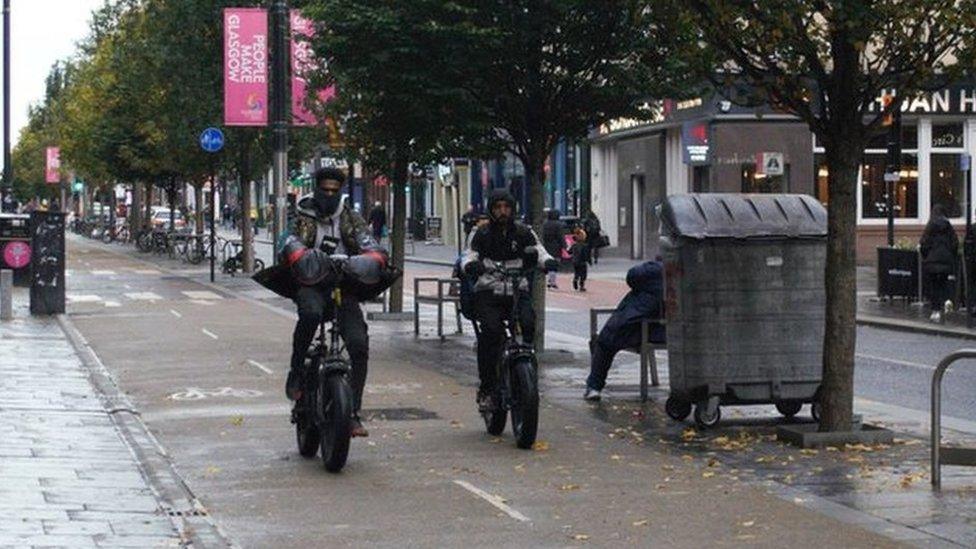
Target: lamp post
279	112
8	170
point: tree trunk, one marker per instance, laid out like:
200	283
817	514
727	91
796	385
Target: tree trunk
135	212
837	389
198	198
247	233
398	234
535	178
149	200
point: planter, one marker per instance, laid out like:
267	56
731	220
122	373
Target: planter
898	273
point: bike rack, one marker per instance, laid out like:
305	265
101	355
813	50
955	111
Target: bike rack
944	455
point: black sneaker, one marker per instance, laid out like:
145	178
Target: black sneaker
293	386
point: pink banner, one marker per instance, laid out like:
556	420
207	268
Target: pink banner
301	60
245	67
52	165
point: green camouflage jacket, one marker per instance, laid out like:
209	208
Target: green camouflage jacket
356	237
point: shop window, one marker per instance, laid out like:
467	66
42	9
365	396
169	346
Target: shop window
821	178
753	182
699	179
948	183
947	136
909	138
874	189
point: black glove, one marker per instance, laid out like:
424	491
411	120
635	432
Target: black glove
530	258
474	269
552	265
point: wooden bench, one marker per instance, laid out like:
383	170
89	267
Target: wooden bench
448	290
646	349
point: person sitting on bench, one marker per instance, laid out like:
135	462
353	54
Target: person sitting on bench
623	329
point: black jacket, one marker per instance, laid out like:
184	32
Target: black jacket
552	237
939	246
501	244
644	301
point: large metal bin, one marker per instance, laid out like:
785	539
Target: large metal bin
744	279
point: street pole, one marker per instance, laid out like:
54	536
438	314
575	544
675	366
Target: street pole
457	208
213	192
8	170
969	243
280	102
893	172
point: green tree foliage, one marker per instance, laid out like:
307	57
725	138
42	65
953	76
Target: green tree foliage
827	61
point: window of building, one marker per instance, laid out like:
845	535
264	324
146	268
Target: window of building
753	182
947	136
699	179
948	183
874	188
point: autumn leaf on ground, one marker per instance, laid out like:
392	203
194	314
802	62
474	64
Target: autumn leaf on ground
580	537
213	470
907	480
640	523
615	457
237	421
708	474
748	523
568	487
809	452
540	446
688	434
456	424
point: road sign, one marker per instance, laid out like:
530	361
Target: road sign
77	186
212	140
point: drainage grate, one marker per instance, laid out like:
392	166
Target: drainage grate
186	513
398	414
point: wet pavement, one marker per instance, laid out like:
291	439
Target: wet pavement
210	392
68	477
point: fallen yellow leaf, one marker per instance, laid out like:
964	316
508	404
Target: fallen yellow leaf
540	446
615	457
748	523
237	421
708	474
580	537
640	523
568	487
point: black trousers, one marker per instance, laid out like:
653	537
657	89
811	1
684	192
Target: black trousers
491	310
580	271
313	302
937	288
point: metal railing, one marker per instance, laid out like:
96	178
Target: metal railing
944	455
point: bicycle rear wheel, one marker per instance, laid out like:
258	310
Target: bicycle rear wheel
335	399
525	403
144	242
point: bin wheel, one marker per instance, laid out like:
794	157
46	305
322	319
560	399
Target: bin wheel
815	411
789	408
703	419
677	409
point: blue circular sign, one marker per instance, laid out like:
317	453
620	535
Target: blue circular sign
212	140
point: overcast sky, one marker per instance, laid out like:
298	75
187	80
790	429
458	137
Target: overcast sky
42	32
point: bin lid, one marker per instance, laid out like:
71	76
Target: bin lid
719	215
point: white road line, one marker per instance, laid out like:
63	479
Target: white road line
176	313
103	273
260	366
112	304
147	271
209	333
926	367
83	298
201	295
494	500
144	296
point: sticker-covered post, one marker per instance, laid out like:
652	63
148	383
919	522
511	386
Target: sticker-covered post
47	263
212	141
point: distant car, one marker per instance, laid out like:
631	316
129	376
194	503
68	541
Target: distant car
160	219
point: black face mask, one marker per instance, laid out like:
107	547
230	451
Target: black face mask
326	204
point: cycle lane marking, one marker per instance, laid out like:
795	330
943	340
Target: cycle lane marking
926	367
176	313
495	501
208	333
260	366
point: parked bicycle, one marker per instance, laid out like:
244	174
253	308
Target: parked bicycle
234	258
323	414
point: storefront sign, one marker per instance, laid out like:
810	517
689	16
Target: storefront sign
957	99
52	165
302	60
694	143
245	67
770	163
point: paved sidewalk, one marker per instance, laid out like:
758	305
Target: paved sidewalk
68	477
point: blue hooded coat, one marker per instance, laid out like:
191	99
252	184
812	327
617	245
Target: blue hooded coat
644	301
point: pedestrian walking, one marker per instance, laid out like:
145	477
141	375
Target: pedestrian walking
591	223
939	247
580	251
377	220
552	240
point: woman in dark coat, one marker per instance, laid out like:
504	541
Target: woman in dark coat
939	248
553	242
591	223
623	329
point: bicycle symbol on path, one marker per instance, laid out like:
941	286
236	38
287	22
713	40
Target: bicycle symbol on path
196	393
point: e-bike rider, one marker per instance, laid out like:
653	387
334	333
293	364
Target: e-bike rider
504	242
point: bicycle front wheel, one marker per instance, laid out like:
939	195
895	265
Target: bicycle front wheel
335	398
525	403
